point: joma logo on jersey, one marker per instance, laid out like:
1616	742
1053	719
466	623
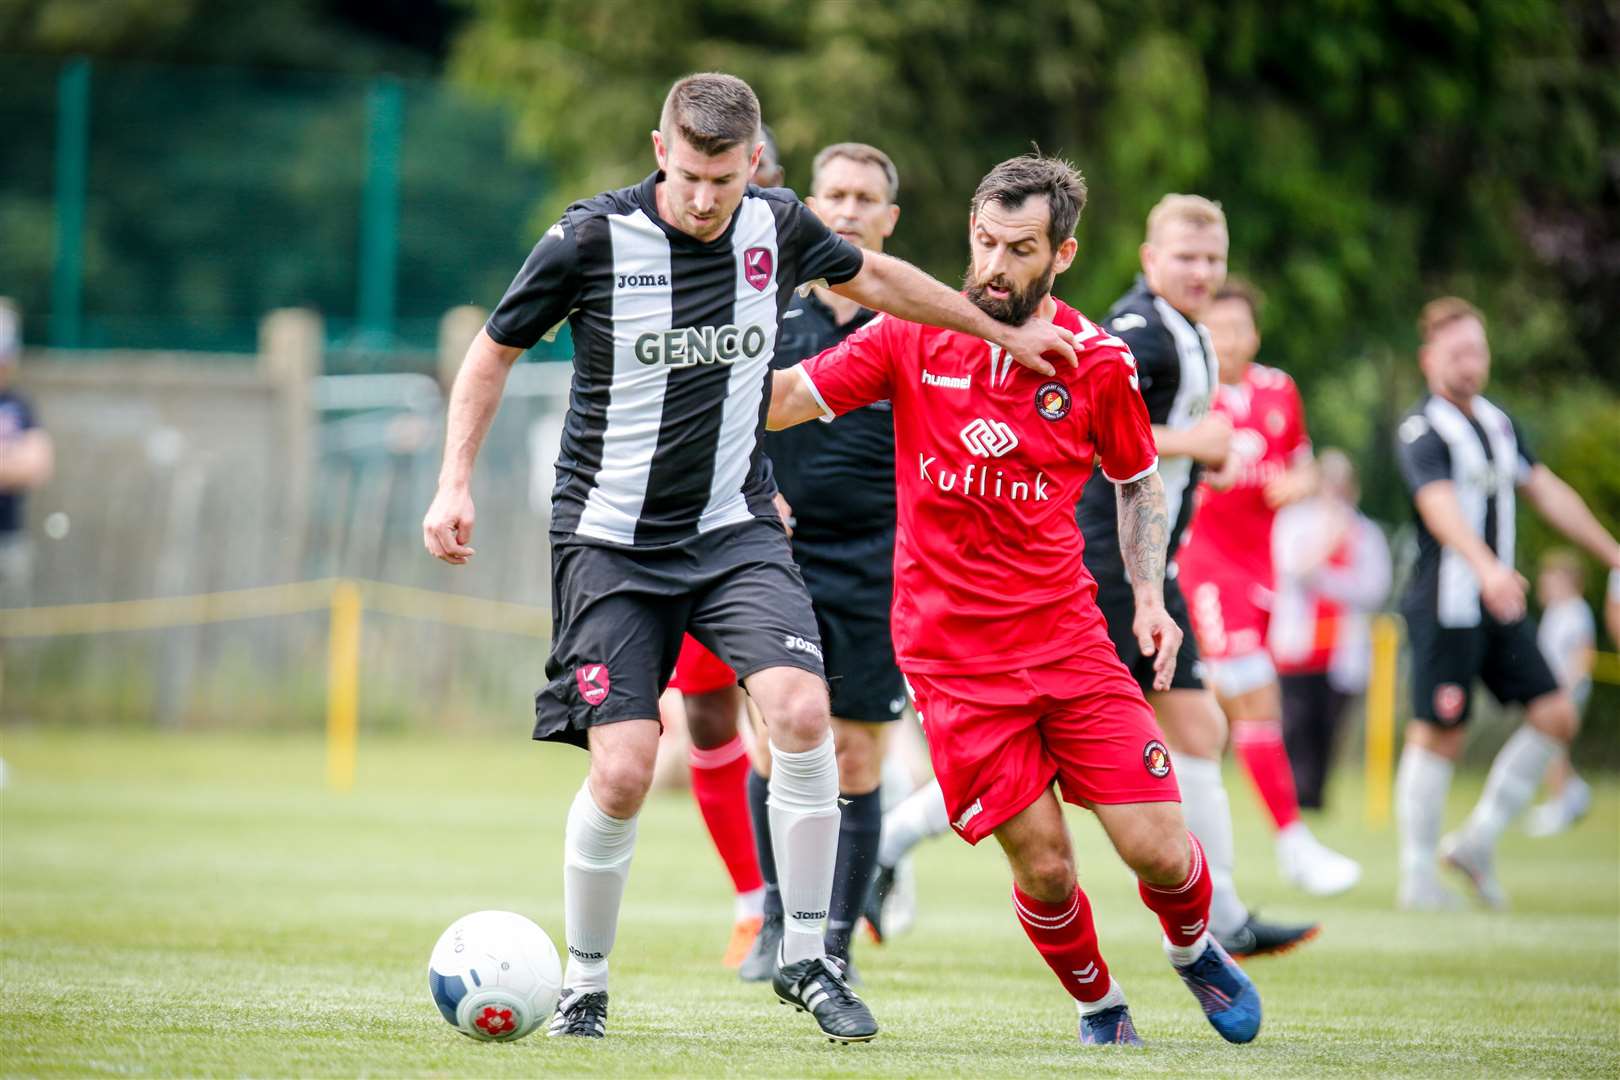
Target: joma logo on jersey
988	438
641	281
701	345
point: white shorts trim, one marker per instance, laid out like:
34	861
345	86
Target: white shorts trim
1239	675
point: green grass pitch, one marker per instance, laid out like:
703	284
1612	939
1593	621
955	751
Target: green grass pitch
198	905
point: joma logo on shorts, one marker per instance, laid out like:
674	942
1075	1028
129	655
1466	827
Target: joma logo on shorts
701	345
640	281
799	644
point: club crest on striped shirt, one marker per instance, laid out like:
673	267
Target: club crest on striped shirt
757	267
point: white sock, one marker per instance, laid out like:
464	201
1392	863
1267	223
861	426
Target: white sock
1182	955
1209	816
897	782
804	835
1512	783
1115	996
1421	784
596	865
749	905
922	815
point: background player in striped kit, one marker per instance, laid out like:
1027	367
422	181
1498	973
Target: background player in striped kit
1464	461
662	517
1183	253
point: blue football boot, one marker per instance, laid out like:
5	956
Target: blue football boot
1111	1027
1229	999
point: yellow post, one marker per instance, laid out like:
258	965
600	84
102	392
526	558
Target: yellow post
343	686
1380	755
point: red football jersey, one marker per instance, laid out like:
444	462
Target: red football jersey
1233	527
989	460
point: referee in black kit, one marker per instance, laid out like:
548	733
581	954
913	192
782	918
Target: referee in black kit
663	520
838	480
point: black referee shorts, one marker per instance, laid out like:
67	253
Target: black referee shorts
1118	604
851	582
618	615
1447	660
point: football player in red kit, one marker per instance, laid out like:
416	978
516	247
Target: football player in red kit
1227	576
995	619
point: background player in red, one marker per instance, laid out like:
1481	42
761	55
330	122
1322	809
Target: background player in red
1226	572
995	619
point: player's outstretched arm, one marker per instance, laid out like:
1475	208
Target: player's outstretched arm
1500	586
895	286
1144	535
793	400
447	528
1567	512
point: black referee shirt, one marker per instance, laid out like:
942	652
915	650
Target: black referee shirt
839	477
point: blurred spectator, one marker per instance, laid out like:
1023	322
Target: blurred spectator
25	463
1333	569
1611	607
1567	637
769	173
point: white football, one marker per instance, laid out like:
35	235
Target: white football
495	975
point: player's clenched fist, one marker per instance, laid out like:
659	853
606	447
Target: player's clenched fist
448	526
1158	636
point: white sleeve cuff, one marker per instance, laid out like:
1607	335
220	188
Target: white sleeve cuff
827	415
1149	471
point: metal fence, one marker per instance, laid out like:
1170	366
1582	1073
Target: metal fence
149	207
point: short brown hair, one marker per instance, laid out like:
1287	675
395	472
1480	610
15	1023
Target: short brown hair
1017	179
863	154
711	112
1193	209
1561	560
1236	288
1443	312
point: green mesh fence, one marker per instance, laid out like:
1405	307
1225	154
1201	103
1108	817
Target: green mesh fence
210	196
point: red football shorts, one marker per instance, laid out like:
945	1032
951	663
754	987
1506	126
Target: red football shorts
998	741
699	671
1231	609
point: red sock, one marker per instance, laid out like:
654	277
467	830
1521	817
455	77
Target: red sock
1183	910
1066	938
720	786
1260	747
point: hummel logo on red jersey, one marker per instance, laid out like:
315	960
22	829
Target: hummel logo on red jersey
948	382
988	438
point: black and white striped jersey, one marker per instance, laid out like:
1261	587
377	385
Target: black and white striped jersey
1483	454
673	339
1175	363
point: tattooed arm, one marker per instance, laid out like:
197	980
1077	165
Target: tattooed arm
1144	534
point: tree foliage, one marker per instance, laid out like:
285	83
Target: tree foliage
1369	154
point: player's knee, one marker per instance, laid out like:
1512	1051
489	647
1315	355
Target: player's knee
711	719
1048	876
799	720
860	759
620	785
1555	715
1163	859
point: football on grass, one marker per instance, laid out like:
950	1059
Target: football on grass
495	975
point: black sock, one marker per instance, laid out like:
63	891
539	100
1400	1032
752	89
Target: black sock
858	832
759	789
